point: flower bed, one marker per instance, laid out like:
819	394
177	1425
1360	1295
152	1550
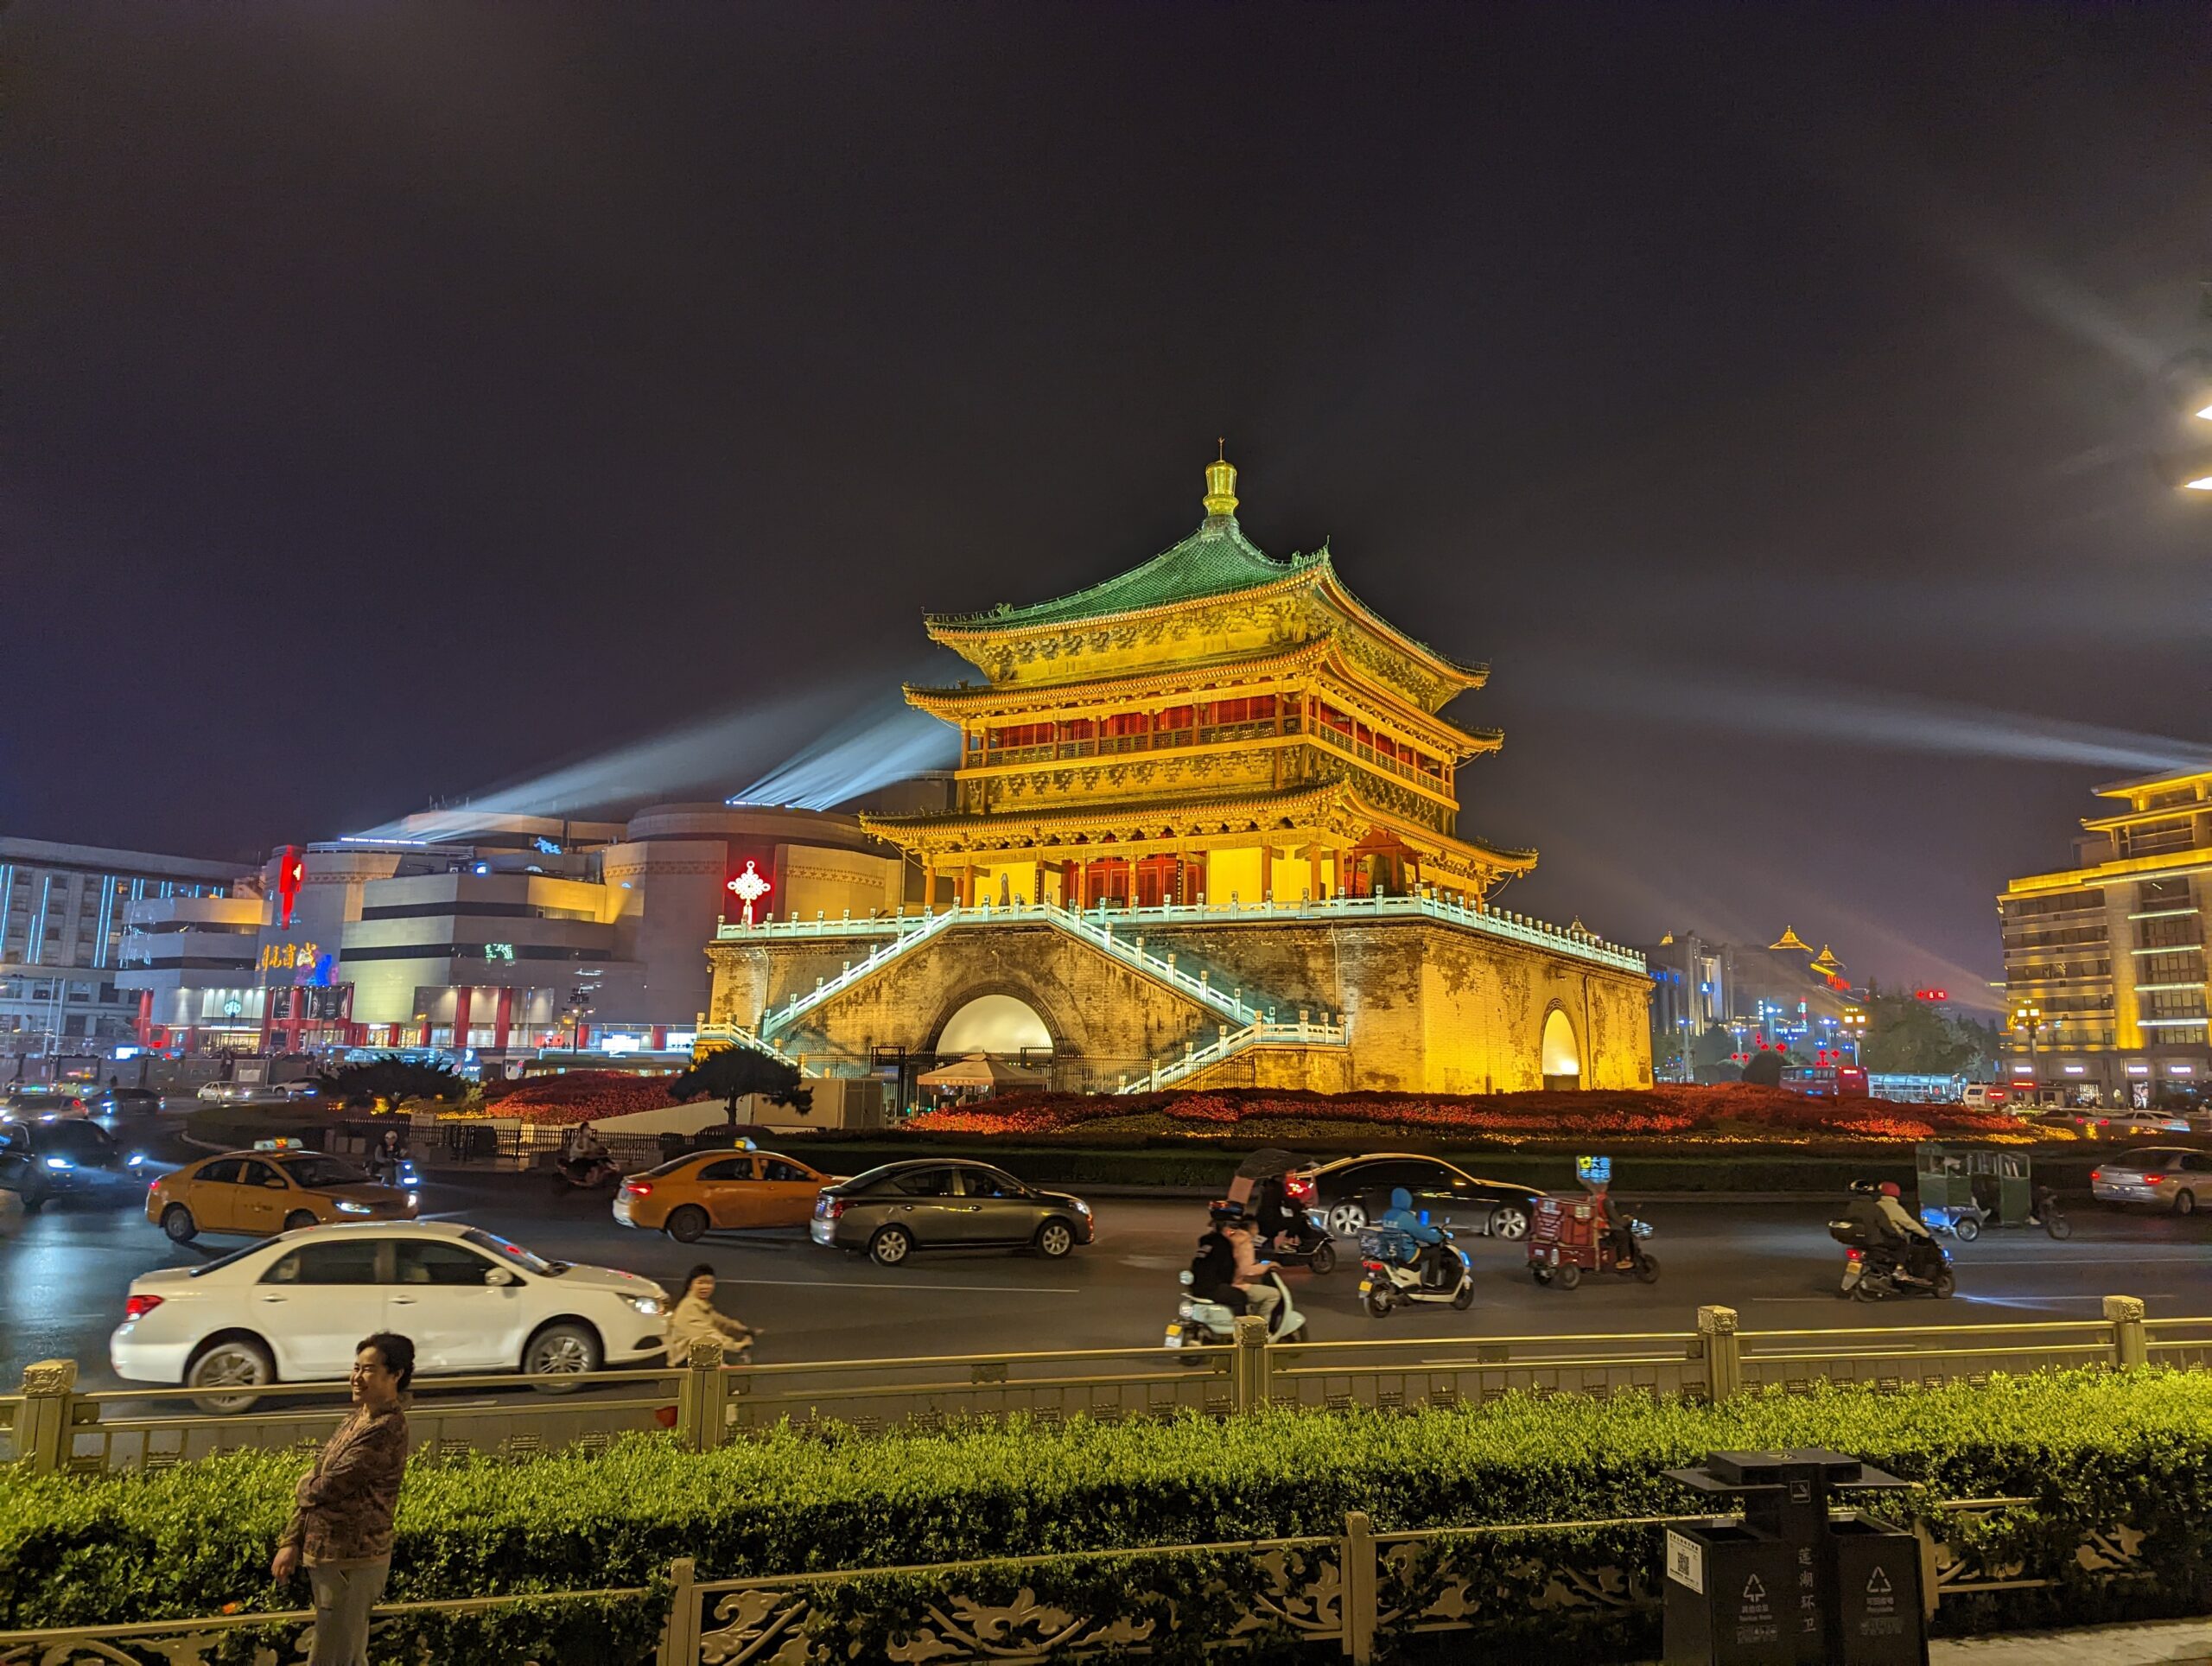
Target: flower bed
580	1095
1732	1114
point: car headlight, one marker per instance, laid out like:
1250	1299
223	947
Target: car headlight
345	1208
59	1162
412	1201
136	1158
650	1306
1081	1207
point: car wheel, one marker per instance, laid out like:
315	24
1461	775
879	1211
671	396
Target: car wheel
1967	1228
1346	1218
2185	1202
177	1222
1510	1222
1054	1239
561	1351
1569	1276
891	1246
233	1364
688	1224
1324	1258
298	1220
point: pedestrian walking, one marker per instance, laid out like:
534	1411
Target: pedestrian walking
341	1530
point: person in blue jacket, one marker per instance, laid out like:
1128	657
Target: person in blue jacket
1401	1215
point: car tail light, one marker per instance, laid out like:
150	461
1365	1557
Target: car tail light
139	1307
836	1208
2095	1175
637	1188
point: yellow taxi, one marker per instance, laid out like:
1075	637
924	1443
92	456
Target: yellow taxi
721	1189
277	1187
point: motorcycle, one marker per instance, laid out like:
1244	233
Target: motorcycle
1275	1191
1875	1273
1397	1272
586	1174
1309	1244
399	1173
1202	1322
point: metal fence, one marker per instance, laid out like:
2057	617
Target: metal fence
50	1426
1357	1592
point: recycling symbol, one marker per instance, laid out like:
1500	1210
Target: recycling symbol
1753	1591
1877	1582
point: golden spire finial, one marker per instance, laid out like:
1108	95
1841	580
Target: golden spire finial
1221	482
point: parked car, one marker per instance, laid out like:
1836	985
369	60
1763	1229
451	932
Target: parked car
293	1309
2166	1175
720	1191
927	1204
266	1192
69	1158
1350	1192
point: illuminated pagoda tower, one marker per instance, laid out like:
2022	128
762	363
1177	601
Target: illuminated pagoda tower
1214	726
1203	833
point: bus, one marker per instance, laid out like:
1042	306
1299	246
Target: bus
1825	1081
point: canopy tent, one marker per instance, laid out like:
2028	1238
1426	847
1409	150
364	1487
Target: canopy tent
981	1071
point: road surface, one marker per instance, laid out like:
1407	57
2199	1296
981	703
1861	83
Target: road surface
64	1272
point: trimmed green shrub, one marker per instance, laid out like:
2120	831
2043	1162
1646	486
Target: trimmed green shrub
2092	1450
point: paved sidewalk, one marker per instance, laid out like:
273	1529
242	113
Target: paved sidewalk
2165	1642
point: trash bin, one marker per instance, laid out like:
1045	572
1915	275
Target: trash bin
1793	1580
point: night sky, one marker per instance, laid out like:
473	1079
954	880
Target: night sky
405	399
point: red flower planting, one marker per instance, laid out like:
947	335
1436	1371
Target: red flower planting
1734	1113
580	1095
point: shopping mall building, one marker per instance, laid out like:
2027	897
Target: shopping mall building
497	934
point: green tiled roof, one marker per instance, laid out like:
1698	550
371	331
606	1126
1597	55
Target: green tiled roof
1216	560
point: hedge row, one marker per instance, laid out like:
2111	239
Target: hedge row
2093	1450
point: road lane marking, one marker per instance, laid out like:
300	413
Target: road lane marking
901	1284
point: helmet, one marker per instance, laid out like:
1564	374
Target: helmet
1863	1188
1222	1211
1892	1189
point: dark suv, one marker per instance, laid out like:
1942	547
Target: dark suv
71	1158
929	1204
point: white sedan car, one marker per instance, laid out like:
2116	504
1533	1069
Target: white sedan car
294	1308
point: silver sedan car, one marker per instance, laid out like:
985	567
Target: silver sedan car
2169	1176
930	1204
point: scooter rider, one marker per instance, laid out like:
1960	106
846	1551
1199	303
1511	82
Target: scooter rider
1918	1242
1401	1215
1260	1297
1213	1270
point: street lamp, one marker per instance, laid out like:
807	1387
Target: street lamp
2028	1017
